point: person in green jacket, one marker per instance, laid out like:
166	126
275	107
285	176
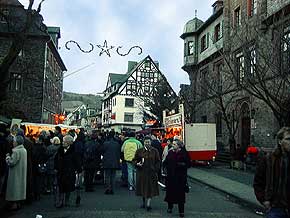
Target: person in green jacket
129	147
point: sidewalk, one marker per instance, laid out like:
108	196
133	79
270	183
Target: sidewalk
235	183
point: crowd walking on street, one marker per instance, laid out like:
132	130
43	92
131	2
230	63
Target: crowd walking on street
62	164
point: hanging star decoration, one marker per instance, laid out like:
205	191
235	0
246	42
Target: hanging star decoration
105	49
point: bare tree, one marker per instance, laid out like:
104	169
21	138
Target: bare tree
191	103
18	39
163	98
261	66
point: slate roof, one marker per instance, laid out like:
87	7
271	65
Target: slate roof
117	78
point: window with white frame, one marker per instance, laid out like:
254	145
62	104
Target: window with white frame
128	117
237	17
129	102
253	60
252	7
16	82
190	48
240	60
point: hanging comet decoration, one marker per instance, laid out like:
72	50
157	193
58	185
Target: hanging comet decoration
72	41
136	46
104	48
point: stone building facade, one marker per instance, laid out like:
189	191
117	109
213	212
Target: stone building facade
255	35
35	89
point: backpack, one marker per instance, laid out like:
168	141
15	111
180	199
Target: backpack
130	150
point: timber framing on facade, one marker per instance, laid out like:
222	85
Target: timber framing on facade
139	83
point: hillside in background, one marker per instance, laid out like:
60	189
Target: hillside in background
90	99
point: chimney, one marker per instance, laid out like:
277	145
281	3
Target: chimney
217	6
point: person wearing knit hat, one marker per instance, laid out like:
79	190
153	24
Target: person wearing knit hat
66	164
51	175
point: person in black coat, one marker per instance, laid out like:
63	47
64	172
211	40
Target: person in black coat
4	149
39	157
155	143
67	164
176	163
91	160
111	161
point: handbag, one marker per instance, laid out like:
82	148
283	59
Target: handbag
42	168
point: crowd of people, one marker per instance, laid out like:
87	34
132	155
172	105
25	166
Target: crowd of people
53	163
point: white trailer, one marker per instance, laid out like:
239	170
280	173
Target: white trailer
200	141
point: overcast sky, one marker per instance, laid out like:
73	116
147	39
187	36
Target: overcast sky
154	25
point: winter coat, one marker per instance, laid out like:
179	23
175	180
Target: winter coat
4	149
67	164
268	177
28	145
51	152
147	175
16	183
176	164
39	156
129	147
111	154
156	144
92	154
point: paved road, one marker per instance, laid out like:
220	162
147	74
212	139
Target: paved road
202	202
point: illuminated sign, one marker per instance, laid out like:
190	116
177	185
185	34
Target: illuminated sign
173	120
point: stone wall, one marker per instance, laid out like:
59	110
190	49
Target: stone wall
27	100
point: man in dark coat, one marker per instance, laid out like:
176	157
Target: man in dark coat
4	149
91	160
111	161
39	157
177	161
58	133
67	164
272	178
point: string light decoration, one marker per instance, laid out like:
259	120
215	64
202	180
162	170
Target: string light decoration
84	51
105	49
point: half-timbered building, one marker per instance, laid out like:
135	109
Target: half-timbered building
125	95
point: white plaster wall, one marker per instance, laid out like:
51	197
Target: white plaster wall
120	110
212	47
